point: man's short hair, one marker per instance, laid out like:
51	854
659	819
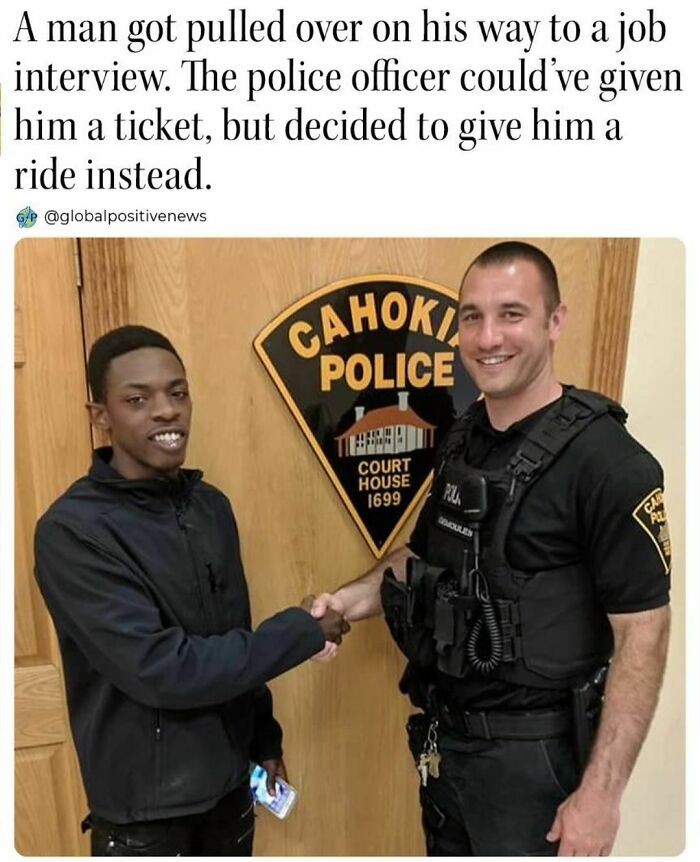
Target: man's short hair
507	252
115	343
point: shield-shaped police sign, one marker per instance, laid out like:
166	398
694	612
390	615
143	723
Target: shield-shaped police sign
369	369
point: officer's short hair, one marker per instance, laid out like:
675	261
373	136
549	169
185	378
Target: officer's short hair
507	252
115	343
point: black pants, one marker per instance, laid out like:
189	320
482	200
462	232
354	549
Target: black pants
225	830
497	797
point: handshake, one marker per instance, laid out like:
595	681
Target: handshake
328	611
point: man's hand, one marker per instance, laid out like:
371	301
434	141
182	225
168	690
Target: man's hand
275	769
586	824
332	623
328	653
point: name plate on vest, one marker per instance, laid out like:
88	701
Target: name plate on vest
445	522
368	367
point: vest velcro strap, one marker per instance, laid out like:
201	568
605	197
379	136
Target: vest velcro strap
503	725
569	414
509	621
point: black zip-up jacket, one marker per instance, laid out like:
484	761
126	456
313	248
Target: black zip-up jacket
164	678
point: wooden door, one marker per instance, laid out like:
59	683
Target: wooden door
52	448
344	722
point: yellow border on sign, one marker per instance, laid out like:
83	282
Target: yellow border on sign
272	371
667	568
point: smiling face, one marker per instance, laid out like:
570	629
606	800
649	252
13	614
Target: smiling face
506	335
146	411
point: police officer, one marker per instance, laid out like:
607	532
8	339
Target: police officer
538	566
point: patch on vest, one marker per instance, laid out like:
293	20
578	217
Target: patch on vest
650	514
451	495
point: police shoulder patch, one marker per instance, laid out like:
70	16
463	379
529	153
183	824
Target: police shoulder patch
650	514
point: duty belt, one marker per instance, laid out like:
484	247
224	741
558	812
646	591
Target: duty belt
503	725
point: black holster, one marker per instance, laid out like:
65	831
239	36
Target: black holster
587	703
404	609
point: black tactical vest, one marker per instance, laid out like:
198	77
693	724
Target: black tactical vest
544	629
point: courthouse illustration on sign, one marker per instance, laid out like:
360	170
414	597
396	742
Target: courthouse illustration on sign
386	431
369	369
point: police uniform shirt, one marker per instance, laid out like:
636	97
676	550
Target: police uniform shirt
601	501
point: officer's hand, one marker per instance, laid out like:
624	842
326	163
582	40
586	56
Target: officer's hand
586	824
322	602
275	768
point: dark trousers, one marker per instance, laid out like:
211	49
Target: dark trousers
497	797
225	830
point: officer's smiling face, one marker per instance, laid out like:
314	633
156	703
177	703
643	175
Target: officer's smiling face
146	412
506	335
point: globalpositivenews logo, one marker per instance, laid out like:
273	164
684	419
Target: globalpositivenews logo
368	368
26	217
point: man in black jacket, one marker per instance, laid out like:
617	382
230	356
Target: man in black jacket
140	567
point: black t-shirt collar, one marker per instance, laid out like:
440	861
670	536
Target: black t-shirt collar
482	423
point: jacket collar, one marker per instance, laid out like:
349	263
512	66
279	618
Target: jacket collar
104	474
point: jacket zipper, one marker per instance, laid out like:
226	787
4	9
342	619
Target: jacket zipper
179	514
158	760
213	586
